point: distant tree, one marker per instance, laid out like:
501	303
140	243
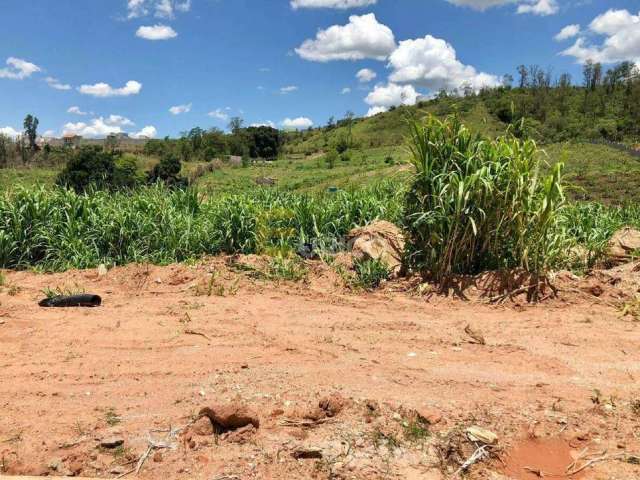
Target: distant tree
564	80
348	117
5	145
195	137
235	124
264	142
184	147
331	123
215	143
524	76
587	73
31	131
507	80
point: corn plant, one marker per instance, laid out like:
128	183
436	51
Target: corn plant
477	204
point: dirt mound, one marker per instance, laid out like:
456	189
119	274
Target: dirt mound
380	240
624	246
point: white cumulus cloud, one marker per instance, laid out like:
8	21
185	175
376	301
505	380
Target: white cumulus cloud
621	42
391	95
373	111
157	8
103	126
18	69
118	120
219	114
288	89
98	127
156	32
56	84
432	63
539	7
105	90
568	32
363	37
76	111
300	123
340	4
179	109
149	132
535	7
366	75
9	132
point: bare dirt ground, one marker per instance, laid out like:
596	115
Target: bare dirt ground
558	382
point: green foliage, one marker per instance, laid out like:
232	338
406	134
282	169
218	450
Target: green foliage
285	268
264	142
31	130
331	158
341	144
125	172
370	273
60	229
478	205
167	171
89	168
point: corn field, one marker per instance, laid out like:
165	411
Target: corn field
58	229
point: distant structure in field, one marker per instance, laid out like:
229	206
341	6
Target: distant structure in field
71	140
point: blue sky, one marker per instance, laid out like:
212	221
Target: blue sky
123	64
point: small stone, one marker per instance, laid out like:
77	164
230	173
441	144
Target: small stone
231	416
203	427
157	457
478	434
111	442
55	464
332	404
428	415
75	467
244	366
306	453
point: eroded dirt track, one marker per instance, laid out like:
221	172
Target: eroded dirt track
160	348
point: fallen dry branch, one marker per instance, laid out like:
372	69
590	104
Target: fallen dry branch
480	454
290	422
194	332
602	458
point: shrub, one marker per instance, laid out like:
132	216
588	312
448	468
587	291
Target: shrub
167	171
342	144
389	160
89	167
477	204
331	158
125	172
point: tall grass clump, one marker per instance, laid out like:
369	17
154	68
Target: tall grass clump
476	204
58	229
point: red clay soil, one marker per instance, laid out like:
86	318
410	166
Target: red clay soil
91	392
